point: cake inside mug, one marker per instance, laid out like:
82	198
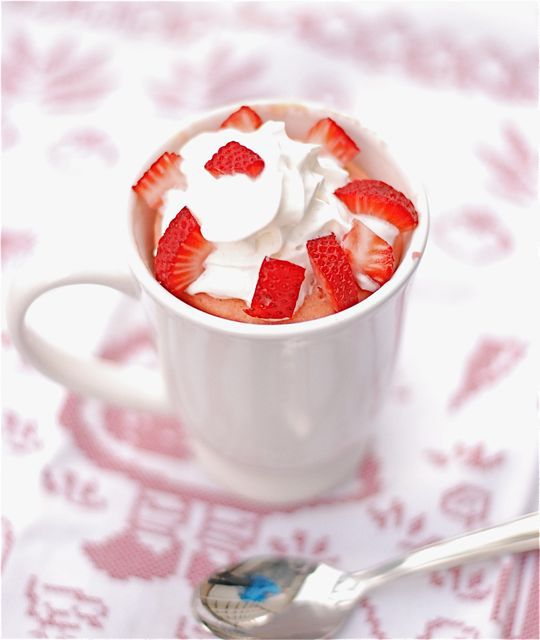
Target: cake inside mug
257	226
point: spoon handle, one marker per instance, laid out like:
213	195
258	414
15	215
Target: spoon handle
521	534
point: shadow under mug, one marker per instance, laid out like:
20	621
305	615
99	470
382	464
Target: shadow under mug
276	413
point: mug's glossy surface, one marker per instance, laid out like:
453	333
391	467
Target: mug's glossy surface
281	412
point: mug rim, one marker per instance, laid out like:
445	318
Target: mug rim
406	268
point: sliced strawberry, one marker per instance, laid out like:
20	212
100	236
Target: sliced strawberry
162	175
245	119
181	253
369	253
235	158
333	271
379	199
334	139
277	289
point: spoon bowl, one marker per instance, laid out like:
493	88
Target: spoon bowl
307	599
272	597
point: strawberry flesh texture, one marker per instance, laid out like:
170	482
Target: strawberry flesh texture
369	253
333	272
376	198
334	139
277	289
245	119
162	175
235	158
181	253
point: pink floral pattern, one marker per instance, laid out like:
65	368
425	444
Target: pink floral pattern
464	582
492	359
8	539
62	610
512	165
58	77
148	547
447	628
411	528
472	456
300	544
229	79
16	244
468	503
68	484
372	620
473	235
81	146
20	433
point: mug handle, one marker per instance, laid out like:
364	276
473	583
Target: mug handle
129	386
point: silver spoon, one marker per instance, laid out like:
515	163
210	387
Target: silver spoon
283	597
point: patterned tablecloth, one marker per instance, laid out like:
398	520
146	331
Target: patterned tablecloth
107	521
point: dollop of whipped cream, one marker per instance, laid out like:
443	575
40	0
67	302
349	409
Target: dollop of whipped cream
273	215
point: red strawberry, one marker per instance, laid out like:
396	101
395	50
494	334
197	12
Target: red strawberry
377	198
277	289
334	139
369	253
162	175
245	119
235	158
333	271
181	253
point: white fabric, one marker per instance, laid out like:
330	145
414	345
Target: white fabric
107	521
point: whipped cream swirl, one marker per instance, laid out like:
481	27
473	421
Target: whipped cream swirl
274	214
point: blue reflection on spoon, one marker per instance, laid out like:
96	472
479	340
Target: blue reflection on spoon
259	589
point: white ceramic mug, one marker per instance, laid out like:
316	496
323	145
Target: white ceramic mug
278	413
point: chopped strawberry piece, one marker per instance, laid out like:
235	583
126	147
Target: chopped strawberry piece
379	199
235	158
369	253
162	175
333	271
334	139
277	289
181	253
245	119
